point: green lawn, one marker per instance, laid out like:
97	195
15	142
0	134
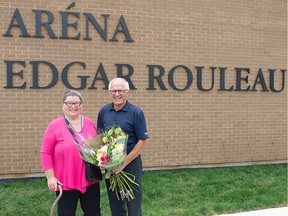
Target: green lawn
185	192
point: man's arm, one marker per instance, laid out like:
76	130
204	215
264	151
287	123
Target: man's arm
139	147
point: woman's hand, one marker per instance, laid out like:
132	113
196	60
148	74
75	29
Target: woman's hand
53	183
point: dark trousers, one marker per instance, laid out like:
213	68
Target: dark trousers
118	207
90	201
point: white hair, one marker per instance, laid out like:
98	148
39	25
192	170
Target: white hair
118	79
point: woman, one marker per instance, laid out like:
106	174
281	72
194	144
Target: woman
61	159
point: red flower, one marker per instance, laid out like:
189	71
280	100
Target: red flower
104	159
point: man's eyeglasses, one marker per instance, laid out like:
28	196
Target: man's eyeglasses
70	104
120	91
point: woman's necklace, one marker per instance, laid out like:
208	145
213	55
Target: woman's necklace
76	124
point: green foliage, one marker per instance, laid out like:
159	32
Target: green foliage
185	192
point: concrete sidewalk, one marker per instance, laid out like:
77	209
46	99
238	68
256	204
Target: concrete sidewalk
283	211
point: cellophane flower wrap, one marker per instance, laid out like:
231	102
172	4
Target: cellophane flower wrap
108	151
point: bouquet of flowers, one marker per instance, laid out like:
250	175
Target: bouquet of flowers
108	151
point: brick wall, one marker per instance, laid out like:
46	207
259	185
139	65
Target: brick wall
186	128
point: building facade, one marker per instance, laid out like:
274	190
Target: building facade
211	76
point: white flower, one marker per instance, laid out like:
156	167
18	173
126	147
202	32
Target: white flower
118	149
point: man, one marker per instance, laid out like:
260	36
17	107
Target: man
132	121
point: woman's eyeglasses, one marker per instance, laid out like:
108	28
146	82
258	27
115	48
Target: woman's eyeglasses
70	104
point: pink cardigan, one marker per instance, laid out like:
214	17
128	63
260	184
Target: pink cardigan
59	152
